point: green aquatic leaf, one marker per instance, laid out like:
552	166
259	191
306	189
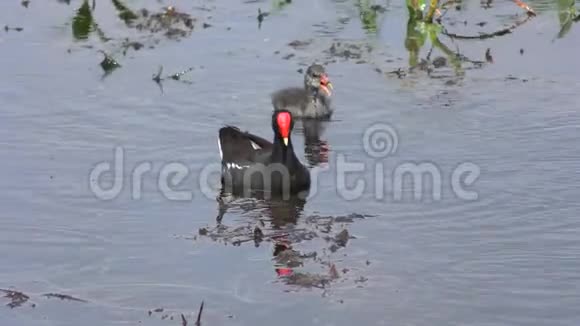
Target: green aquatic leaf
433	5
566	16
415	39
126	14
83	21
415	8
280	4
565	28
109	63
564	6
452	57
368	15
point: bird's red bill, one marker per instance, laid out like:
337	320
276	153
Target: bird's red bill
284	272
284	119
325	84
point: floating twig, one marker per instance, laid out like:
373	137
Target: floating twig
488	56
429	53
399	72
8	28
198	321
17	298
261	16
176	76
157	78
62	297
484	36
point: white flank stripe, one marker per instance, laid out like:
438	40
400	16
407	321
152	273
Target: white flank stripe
255	146
236	166
220	148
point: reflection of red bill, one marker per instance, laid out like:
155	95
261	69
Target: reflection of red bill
281	246
324	149
282	272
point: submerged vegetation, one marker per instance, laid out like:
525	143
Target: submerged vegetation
428	23
169	21
425	22
567	16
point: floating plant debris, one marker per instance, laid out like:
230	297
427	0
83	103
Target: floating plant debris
172	23
62	297
488	56
198	320
261	16
8	28
308	280
125	13
258	236
17	298
299	44
439	62
83	22
128	44
287	259
176	76
109	63
341	239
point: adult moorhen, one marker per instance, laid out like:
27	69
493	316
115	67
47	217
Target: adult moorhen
312	101
253	166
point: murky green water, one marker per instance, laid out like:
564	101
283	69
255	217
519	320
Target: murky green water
509	257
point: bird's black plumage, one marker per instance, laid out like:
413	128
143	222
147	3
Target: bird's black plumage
251	164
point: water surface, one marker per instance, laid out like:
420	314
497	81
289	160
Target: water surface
510	257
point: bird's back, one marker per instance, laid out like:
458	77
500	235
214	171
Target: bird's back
292	99
300	104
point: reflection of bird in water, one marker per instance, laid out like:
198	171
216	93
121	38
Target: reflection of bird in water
315	149
279	212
